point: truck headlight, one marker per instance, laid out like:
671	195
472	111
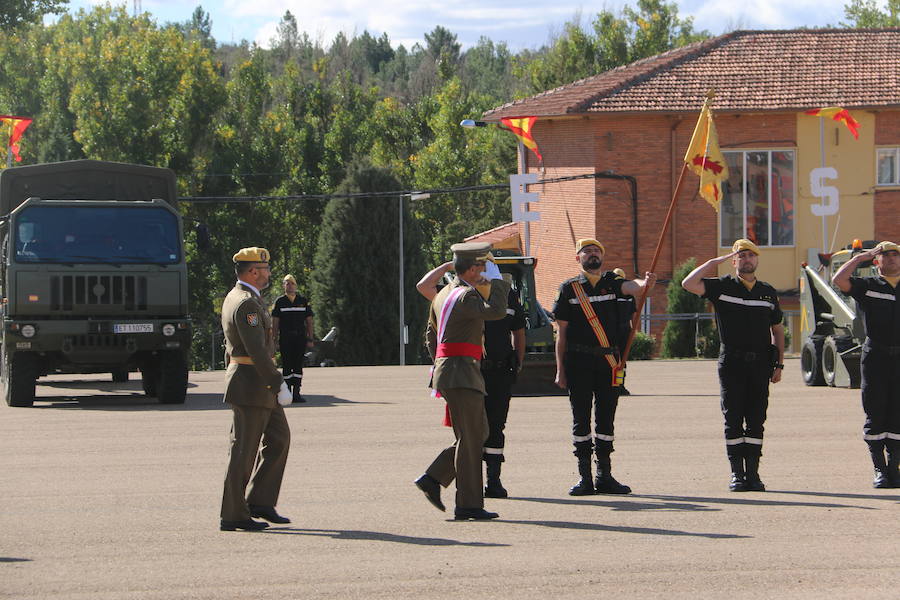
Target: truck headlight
168	330
28	331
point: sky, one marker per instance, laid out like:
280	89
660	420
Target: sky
524	24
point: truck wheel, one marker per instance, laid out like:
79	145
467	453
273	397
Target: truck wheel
149	378
19	378
120	375
173	378
811	363
829	360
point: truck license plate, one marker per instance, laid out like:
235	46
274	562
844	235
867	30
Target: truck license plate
133	328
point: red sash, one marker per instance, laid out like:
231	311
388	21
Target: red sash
447	349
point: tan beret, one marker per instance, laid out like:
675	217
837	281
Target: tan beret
887	246
253	254
584	242
290	278
745	244
619	272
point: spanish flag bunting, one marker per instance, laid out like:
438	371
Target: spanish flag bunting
836	113
521	127
12	128
704	158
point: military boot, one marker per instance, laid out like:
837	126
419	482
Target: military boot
295	387
494	488
881	479
753	482
893	467
605	482
584	487
738	474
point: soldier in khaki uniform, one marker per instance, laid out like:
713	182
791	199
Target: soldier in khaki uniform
252	384
454	335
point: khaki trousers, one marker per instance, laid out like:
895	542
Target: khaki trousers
249	465
462	460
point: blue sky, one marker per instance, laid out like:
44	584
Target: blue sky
522	24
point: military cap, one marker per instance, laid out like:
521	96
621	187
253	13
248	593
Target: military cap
290	278
745	244
887	246
253	254
619	272
472	250
583	243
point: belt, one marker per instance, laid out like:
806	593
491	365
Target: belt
459	349
592	350
242	360
747	355
889	350
498	365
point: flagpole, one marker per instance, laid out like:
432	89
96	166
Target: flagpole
636	320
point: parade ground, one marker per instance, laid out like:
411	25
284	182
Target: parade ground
109	495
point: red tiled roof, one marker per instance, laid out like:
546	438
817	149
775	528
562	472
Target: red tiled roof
751	71
497	234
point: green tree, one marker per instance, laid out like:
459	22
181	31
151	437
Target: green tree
682	338
867	14
17	12
356	272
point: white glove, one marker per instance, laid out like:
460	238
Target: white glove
491	271
284	395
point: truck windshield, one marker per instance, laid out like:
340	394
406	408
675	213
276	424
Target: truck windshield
93	234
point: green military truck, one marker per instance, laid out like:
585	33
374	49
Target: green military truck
93	277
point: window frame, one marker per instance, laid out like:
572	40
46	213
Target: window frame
769	151
896	152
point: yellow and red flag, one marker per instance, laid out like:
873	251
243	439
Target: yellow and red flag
521	127
705	159
12	128
836	113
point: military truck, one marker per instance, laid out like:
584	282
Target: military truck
93	277
830	326
539	370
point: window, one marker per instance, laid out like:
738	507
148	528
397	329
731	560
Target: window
758	198
888	166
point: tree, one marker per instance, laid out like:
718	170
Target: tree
18	12
355	273
682	338
866	14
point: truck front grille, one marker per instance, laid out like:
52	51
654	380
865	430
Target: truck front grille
70	292
98	342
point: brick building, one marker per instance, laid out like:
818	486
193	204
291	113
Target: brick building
637	121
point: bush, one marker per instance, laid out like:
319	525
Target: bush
642	346
684	339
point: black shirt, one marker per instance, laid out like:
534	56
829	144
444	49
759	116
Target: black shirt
292	316
744	317
604	298
880	310
497	342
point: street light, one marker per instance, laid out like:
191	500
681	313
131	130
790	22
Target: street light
403	330
470	123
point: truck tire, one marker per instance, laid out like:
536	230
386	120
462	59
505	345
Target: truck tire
829	360
19	377
172	382
149	378
120	376
811	362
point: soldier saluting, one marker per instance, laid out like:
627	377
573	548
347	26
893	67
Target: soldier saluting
877	299
251	385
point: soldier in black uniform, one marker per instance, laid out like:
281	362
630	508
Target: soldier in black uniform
585	356
504	351
748	317
292	318
878	300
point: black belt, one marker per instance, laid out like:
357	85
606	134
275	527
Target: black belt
592	350
746	355
498	365
889	350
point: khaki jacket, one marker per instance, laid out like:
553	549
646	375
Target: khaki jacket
466	324
248	335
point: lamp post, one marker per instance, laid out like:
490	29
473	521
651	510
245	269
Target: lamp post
403	330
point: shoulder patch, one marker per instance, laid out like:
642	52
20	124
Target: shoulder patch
253	319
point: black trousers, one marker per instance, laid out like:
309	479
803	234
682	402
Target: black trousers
589	380
744	382
498	387
293	353
881	399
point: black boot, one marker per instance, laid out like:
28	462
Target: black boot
893	467
738	474
881	479
584	487
295	387
754	483
605	482
494	488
